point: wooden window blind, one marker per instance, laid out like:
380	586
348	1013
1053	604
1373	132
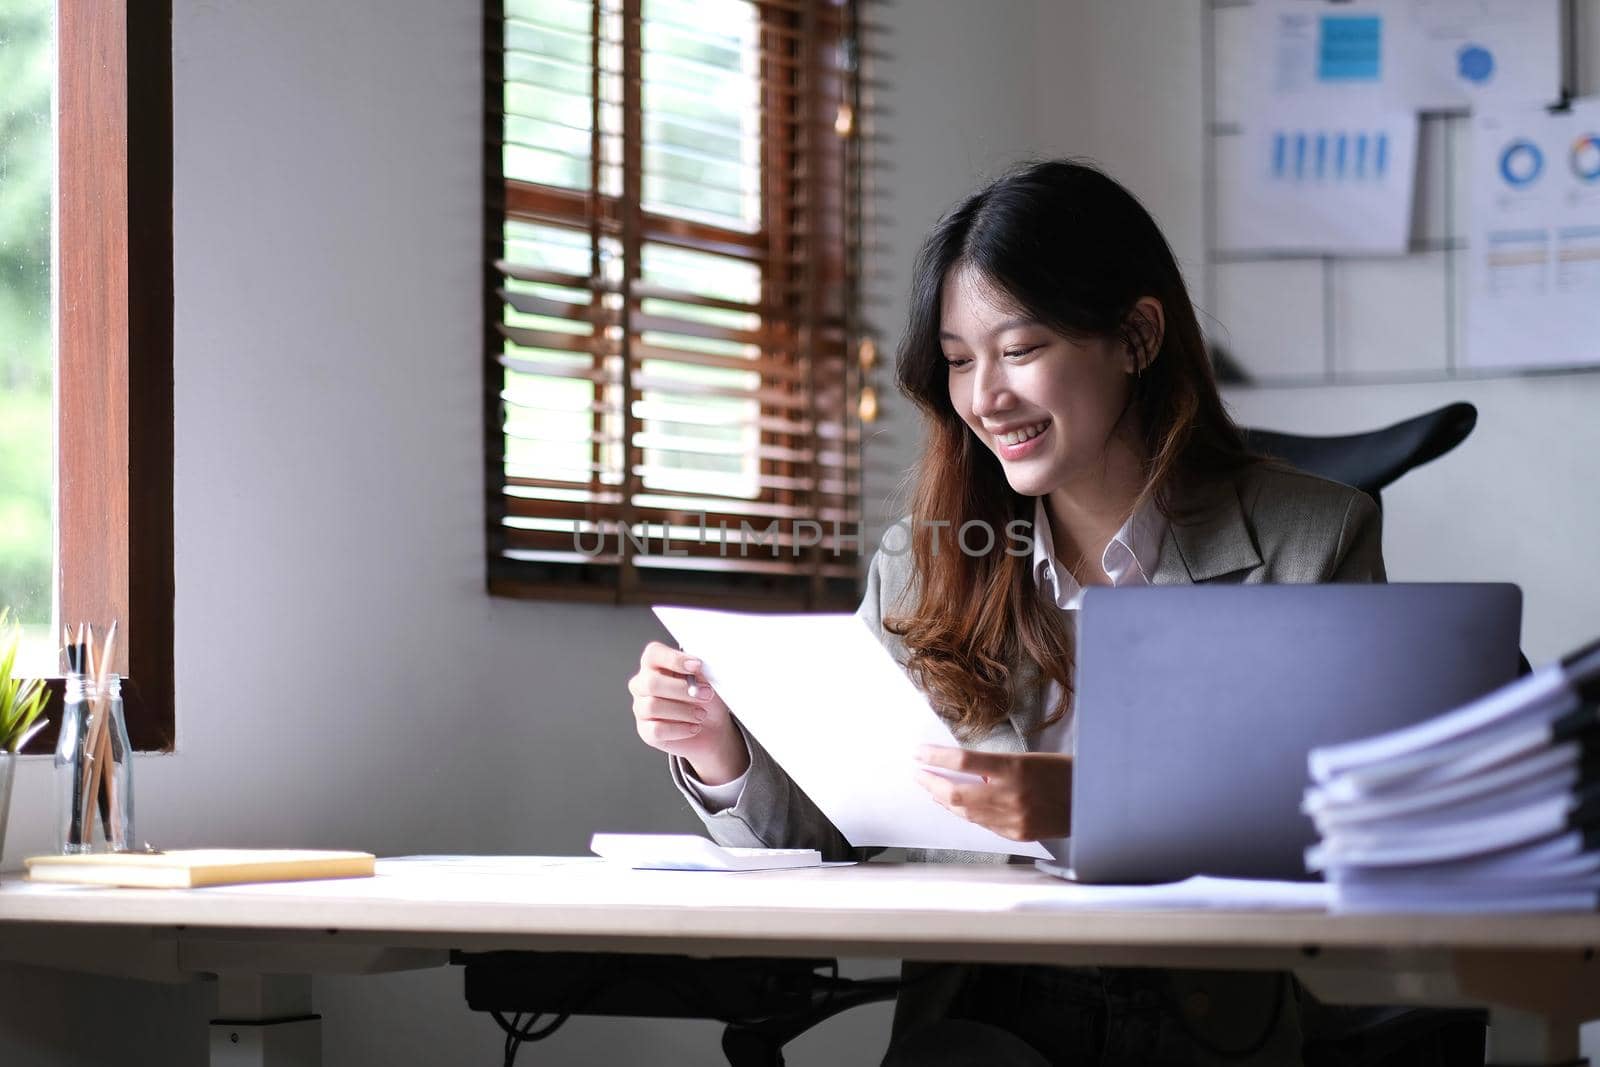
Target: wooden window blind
671	302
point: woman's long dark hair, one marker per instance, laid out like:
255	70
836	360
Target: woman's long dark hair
1076	252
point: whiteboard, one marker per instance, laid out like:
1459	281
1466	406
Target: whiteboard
1286	319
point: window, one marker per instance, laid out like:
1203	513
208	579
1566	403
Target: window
112	343
27	361
671	398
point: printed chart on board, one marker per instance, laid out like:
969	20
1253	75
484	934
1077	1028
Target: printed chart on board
1535	242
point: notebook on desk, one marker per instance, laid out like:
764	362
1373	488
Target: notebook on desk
194	868
1197	706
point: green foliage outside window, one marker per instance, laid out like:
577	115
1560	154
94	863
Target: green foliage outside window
26	363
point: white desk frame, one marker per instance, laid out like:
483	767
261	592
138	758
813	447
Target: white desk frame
1537	975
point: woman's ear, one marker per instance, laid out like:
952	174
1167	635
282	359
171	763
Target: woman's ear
1146	328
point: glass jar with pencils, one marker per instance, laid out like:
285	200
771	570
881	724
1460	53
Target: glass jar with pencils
93	759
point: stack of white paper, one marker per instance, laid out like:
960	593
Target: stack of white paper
1494	806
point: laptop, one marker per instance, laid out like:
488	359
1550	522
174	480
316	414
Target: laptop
1196	707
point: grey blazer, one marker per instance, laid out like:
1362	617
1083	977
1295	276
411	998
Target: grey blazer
1270	525
1267	525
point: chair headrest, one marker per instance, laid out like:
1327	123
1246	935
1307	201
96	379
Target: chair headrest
1372	460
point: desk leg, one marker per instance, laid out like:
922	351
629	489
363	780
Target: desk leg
265	1020
1524	1039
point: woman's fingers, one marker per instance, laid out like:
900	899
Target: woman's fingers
656	683
977	802
676	711
662	689
957	796
984	765
997	807
1022	797
658	696
661	696
658	656
658	732
667	681
668	710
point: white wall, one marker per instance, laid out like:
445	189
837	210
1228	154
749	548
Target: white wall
342	678
1107	83
959	108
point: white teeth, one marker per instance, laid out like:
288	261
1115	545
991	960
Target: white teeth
1016	437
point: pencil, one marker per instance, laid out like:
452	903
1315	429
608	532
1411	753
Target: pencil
95	765
74	836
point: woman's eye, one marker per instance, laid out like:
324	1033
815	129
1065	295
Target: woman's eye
1018	353
956	361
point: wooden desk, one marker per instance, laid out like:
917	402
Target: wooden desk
1537	974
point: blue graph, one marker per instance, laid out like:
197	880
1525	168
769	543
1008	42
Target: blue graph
1521	163
1475	64
1330	155
1350	47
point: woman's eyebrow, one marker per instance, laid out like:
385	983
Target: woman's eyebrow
1009	324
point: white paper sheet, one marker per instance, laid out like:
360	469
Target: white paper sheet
1444	901
1556	858
1312	178
1411	54
1327	809
1385	848
1469	53
840	716
594	881
1198	893
1534	243
1533	700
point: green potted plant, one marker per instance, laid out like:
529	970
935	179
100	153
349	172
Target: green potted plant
21	705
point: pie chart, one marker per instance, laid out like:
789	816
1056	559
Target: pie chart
1586	157
1520	163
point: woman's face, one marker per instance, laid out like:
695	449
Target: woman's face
1045	405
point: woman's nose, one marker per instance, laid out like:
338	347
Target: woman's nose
990	393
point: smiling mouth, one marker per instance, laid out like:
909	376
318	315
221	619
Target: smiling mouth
1027	433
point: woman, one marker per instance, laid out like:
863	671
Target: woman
1063	380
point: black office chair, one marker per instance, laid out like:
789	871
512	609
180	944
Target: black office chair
1372	460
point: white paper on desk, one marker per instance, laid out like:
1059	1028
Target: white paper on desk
1200	893
840	716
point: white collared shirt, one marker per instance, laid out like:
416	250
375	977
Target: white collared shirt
1130	558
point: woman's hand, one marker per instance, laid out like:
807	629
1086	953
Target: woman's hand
1022	797
699	728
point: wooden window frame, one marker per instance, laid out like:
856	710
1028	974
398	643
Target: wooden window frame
114	318
820	344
